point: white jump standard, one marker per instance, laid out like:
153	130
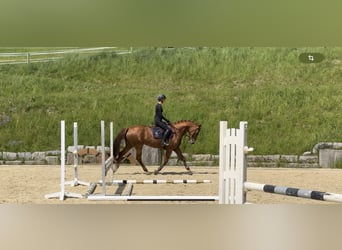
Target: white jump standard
76	181
63	194
232	180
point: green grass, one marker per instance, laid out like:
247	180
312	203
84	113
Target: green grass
289	106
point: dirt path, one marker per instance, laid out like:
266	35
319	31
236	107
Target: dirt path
29	184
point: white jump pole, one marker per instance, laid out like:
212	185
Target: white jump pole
152	198
62	194
160	181
111	140
103	159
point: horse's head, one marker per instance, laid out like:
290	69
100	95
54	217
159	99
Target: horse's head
189	127
193	133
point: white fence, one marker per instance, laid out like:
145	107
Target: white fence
47	56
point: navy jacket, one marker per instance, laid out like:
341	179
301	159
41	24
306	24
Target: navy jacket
158	117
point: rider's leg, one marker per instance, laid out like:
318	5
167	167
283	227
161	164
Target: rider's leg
167	132
166	137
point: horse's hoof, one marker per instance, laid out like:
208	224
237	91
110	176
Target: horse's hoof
190	172
156	172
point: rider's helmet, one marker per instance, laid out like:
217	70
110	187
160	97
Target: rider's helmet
161	97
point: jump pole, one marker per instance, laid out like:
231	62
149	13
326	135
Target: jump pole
103	159
160	181
297	192
63	194
152	198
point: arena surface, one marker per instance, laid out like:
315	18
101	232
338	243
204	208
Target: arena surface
28	184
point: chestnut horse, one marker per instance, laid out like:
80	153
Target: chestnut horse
137	136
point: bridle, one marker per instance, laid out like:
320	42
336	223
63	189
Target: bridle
191	134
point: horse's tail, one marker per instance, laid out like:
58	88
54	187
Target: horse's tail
116	146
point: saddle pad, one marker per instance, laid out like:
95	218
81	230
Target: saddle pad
157	132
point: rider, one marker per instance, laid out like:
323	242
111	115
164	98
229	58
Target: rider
158	119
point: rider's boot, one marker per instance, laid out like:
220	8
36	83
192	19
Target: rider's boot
166	137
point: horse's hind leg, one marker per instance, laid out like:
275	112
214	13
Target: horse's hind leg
166	159
182	158
120	158
139	159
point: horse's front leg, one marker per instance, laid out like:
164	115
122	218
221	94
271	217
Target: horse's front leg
166	159
182	158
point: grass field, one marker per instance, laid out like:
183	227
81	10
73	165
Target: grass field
289	105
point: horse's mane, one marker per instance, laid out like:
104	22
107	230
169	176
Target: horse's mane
181	121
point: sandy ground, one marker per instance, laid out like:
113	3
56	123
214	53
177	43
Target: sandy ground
29	184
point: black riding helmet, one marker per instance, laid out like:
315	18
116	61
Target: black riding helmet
161	97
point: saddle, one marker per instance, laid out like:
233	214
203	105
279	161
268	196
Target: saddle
158	132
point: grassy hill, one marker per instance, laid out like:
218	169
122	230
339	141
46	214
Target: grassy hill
289	105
